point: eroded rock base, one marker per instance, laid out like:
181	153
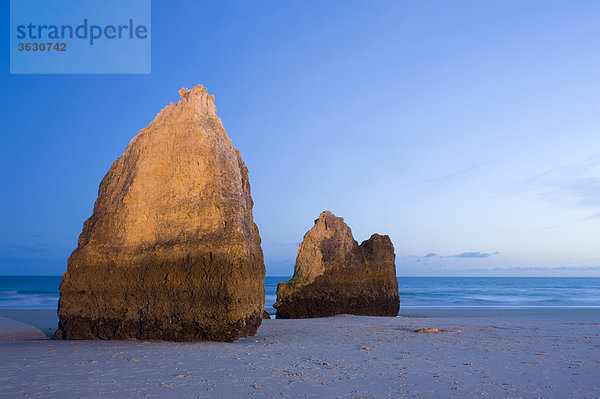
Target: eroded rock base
318	300
77	327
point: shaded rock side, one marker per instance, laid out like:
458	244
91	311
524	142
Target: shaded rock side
334	275
171	251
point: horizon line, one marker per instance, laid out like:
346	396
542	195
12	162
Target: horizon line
397	276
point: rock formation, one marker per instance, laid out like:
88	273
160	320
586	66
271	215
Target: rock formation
334	275
171	250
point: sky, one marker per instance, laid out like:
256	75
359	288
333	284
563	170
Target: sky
467	131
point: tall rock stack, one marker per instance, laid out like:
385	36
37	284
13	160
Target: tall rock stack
171	250
334	275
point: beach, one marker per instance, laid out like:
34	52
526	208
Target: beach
494	353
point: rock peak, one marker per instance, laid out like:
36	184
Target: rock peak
327	224
199	99
327	218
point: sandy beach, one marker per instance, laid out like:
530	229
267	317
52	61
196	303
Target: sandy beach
529	353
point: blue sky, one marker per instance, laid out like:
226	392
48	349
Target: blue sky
466	130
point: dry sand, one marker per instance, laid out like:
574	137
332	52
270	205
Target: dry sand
549	353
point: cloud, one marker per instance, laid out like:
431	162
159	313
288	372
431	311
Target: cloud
574	184
594	216
581	191
442	271
464	255
443	178
467	255
420	258
429	255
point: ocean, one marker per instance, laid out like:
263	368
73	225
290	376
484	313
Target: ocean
41	292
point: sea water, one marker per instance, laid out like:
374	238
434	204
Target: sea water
41	292
29	292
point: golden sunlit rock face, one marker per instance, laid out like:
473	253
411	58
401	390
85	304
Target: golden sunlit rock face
334	275
171	250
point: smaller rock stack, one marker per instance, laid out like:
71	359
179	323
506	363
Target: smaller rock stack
334	275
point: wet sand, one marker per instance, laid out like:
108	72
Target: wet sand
514	353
